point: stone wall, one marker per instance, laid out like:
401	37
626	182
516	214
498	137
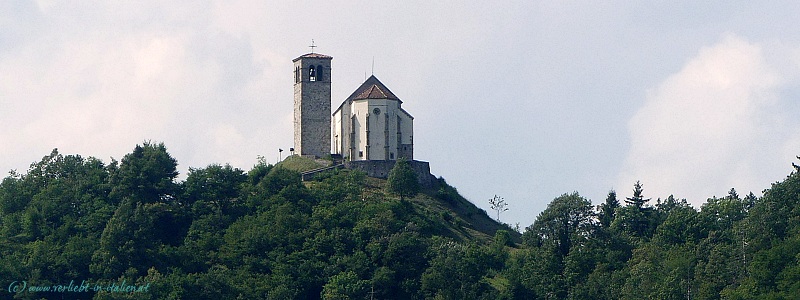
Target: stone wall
381	169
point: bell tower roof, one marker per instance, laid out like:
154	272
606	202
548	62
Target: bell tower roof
313	55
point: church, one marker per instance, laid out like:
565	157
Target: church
369	130
371	125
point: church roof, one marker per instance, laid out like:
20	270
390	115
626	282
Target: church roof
313	55
372	89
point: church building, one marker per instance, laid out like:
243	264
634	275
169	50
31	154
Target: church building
368	131
369	125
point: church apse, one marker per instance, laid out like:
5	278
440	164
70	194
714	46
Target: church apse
371	125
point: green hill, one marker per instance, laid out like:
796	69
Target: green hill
77	228
224	233
449	213
453	215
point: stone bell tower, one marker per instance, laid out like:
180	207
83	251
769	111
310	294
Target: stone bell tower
312	104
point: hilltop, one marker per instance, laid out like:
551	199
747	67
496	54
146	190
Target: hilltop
453	215
302	164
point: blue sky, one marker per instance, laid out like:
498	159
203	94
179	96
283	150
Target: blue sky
524	99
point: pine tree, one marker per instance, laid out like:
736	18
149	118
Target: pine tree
608	208
637	199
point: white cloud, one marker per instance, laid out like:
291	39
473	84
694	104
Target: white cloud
712	126
99	91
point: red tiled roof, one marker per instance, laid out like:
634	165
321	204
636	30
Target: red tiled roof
372	89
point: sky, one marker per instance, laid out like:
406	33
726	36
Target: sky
527	100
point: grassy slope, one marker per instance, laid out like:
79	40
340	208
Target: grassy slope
449	212
466	219
302	164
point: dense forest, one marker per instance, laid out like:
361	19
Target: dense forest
77	228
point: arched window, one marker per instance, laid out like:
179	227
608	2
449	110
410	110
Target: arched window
312	74
319	73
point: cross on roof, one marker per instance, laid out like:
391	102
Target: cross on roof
312	46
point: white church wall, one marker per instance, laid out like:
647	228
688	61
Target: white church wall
383	130
390	117
341	130
336	133
377	109
360	109
406	149
407	127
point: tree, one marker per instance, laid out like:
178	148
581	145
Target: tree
147	174
402	180
568	219
608	208
637	222
499	205
637	199
345	285
133	236
215	184
459	271
636	218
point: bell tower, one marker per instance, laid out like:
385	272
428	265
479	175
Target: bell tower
312	104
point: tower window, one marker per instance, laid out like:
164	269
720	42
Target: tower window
312	74
319	73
